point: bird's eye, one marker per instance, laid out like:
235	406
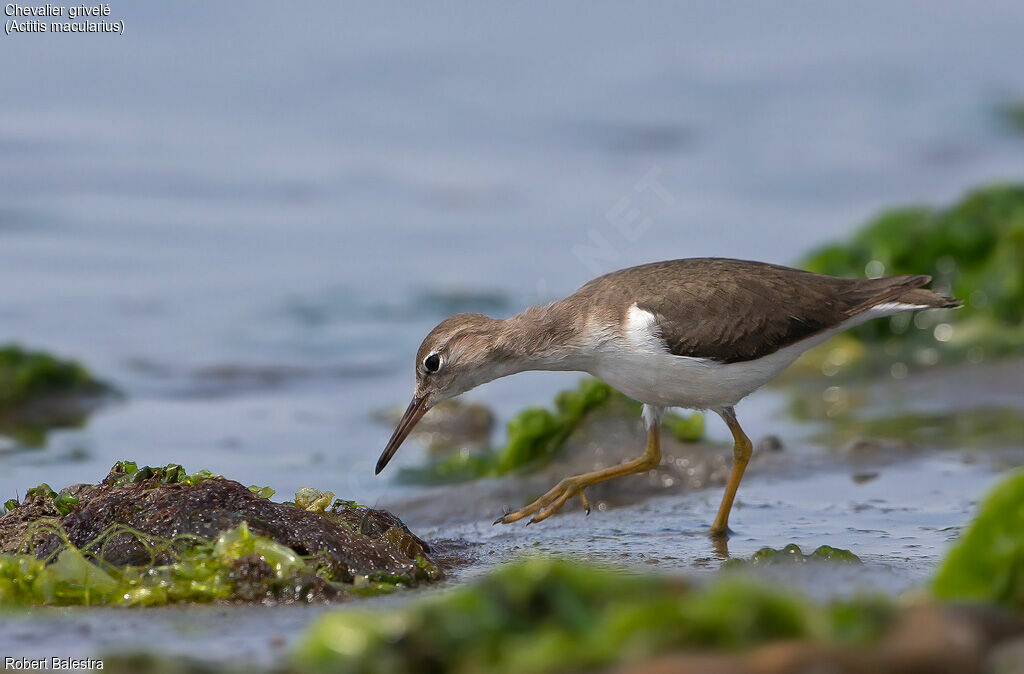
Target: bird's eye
432	362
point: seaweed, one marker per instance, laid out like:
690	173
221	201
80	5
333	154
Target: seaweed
685	429
792	554
973	249
312	499
39	391
541	615
987	562
536	435
149	536
27	375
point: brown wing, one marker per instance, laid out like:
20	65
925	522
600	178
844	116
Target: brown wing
732	310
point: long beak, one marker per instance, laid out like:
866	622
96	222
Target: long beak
417	408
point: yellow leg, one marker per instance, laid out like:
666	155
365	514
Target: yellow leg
742	449
550	502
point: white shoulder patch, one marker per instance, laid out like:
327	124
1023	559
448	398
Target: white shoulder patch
641	330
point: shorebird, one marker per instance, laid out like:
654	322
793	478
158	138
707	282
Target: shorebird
700	333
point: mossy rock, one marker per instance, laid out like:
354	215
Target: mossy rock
160	535
544	615
39	391
974	250
987	563
792	554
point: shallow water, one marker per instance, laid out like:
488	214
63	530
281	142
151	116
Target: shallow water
251	235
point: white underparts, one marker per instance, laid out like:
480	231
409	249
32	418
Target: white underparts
637	363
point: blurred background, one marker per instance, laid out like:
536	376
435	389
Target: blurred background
248	216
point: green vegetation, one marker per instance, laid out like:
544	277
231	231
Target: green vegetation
792	554
313	500
987	563
39	391
542	615
685	429
26	376
535	435
974	250
201	571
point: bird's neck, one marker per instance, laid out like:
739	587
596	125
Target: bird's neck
550	337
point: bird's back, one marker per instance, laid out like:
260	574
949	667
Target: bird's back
736	310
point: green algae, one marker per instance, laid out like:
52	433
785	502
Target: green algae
685	429
172	473
536	435
27	375
793	554
313	500
63	502
987	562
547	615
974	250
39	391
202	571
262	492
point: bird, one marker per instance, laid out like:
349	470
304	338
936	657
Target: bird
698	333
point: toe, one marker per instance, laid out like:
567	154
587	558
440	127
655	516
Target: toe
586	504
553	508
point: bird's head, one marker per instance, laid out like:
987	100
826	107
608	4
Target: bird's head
458	355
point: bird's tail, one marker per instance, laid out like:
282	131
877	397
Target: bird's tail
922	297
905	291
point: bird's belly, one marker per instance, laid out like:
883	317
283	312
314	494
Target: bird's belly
679	381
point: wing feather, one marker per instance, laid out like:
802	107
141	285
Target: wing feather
732	310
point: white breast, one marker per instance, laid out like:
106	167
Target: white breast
637	363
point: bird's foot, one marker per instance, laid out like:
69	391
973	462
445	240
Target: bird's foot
549	503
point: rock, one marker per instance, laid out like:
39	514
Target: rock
874	449
39	391
1007	657
343	543
769	443
865	476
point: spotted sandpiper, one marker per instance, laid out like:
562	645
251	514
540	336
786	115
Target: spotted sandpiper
701	333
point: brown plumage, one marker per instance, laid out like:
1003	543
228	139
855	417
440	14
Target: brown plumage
735	310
